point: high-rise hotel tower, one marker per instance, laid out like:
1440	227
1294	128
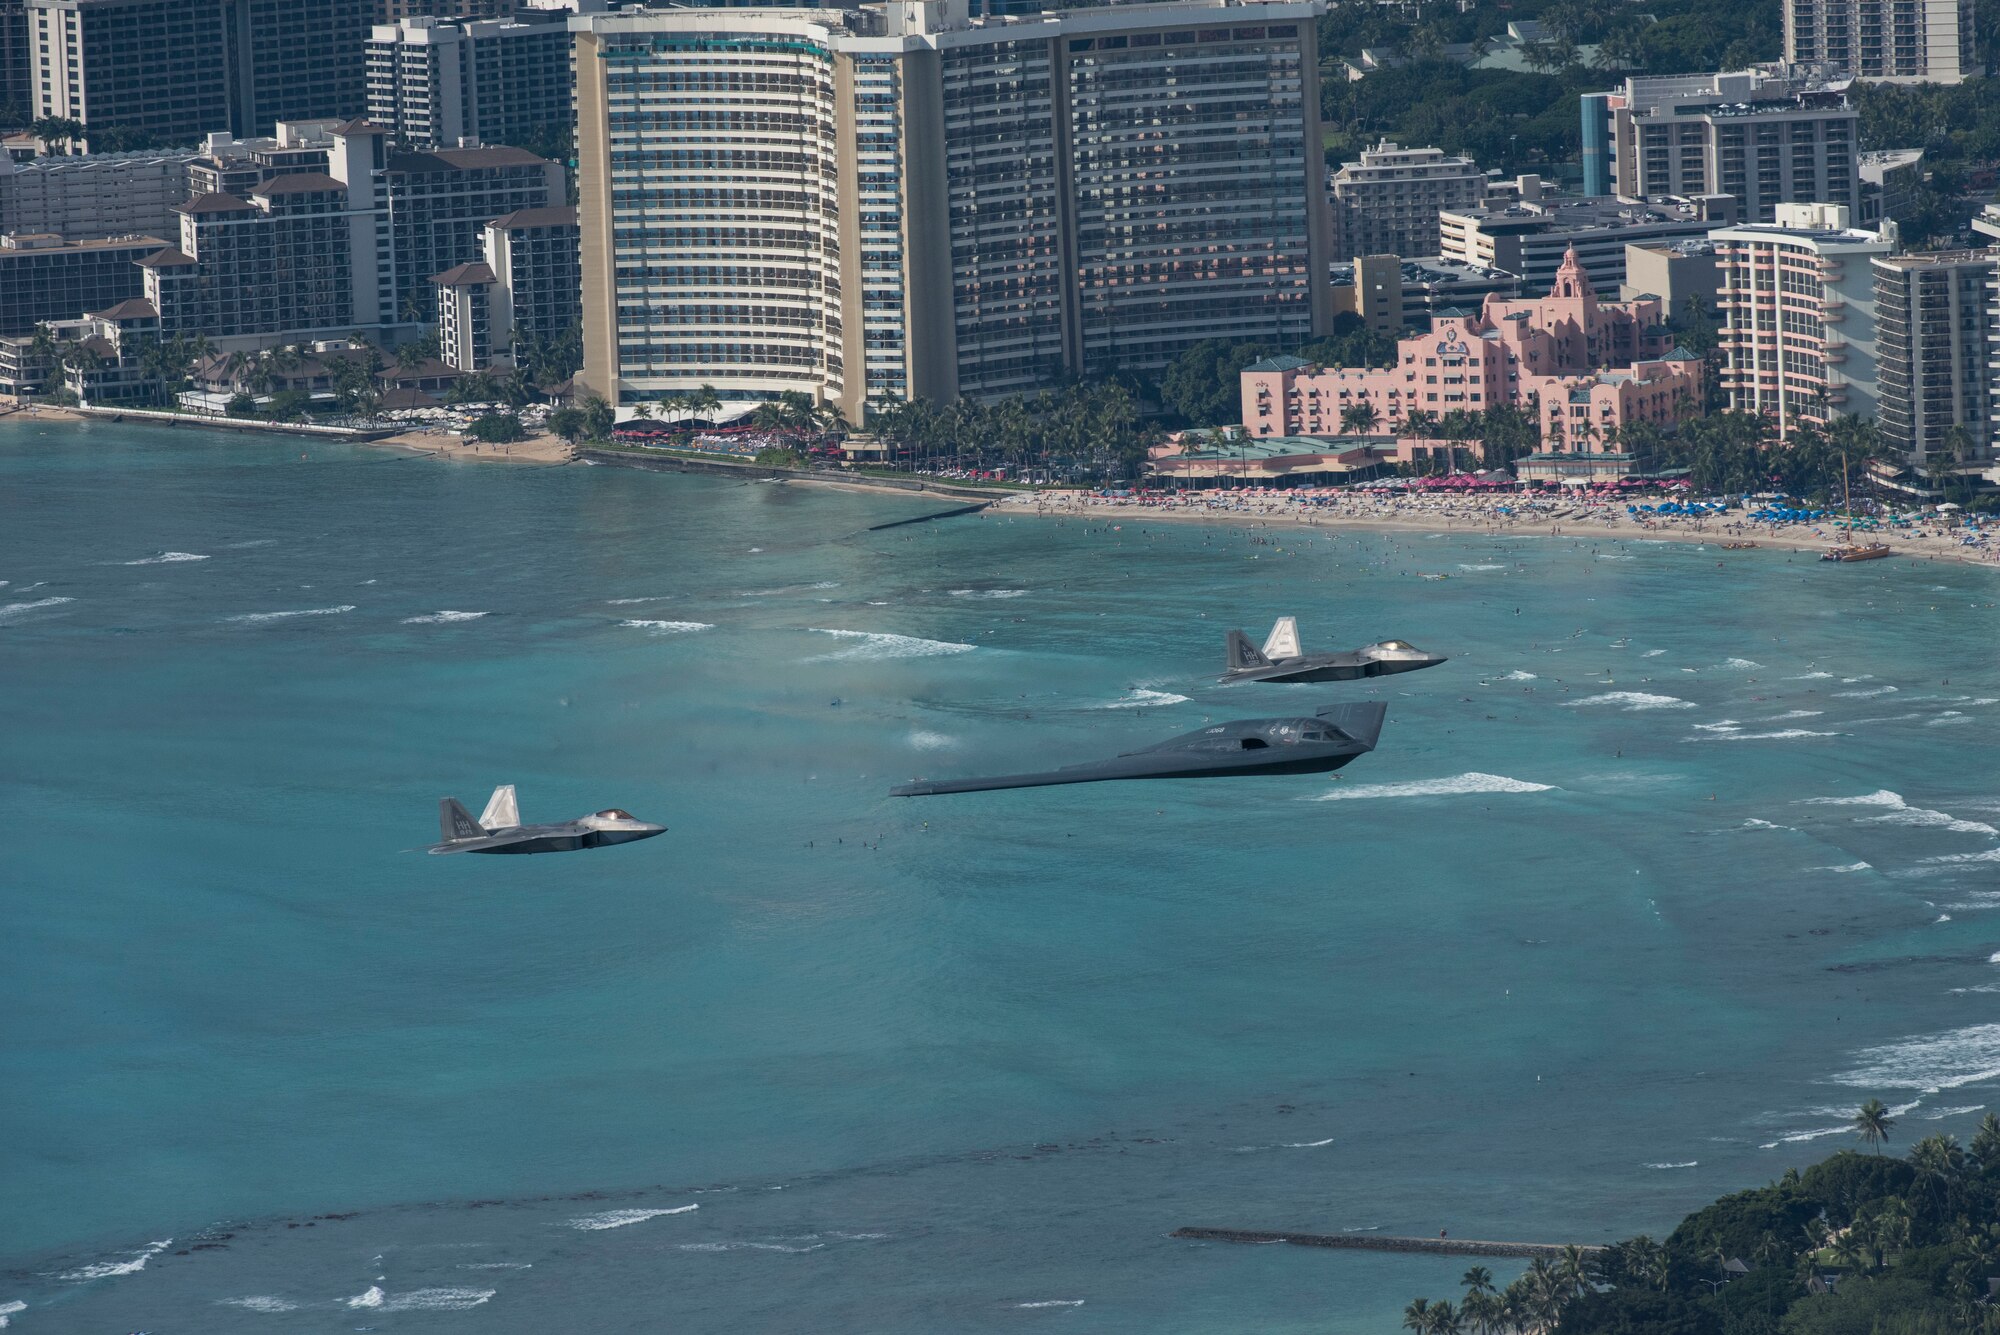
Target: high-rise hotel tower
903	201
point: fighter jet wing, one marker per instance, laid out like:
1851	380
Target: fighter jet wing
1139	765
476	845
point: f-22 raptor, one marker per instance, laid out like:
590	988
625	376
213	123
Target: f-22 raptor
1316	745
499	829
1282	660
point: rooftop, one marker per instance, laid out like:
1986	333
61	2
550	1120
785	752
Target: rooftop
300	183
558	217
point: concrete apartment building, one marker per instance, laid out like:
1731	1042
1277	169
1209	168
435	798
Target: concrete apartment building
1798	306
93	195
436	83
1767	136
1933	326
527	285
1391	294
903	200
1891	41
313	255
1388	202
177	69
227	165
44	278
17	58
1673	271
1532	238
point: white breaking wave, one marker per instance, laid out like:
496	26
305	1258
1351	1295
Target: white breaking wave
1811	676
1464	566
1864	695
1789	715
1141	697
931	741
1784	734
1754	824
1306	1144
14	610
988	593
108	1269
1722	725
255	618
1940	1114
166	559
421	1300
668	627
1900	812
621	1218
751	1247
626	602
1632	701
1949	717
1691	1163
877	645
1652	653
1852	866
260	1302
1518	675
1457	786
1741	664
8	1309
1054	1302
443	618
1929	1063
496	1265
1990	855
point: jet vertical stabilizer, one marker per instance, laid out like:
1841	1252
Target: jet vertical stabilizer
456	822
1283	641
501	810
1242	656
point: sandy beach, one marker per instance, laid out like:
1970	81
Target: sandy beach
1502	515
537	448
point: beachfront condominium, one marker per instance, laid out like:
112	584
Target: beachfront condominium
1932	328
1767	136
436	83
1894	41
44	278
317	254
1388	202
93	195
1534	236
525	286
171	71
1798	307
904	201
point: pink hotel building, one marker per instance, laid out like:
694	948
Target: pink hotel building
1586	367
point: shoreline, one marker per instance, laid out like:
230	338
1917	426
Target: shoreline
1482	520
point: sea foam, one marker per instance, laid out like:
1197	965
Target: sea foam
443	618
13	611
1631	701
988	593
1900	812
421	1300
1931	1062
1053	1302
1141	697
259	1302
1457	786
592	1223
668	627
8	1309
875	645
166	559
109	1269
258	618
1781	735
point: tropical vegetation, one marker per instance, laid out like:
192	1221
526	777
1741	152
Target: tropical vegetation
1858	1244
1081	431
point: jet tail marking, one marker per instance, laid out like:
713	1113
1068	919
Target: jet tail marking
456	822
1283	641
1243	655
501	810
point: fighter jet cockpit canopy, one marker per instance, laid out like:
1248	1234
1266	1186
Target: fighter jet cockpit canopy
614	813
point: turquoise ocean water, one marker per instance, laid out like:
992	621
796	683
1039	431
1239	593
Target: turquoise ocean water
1682	855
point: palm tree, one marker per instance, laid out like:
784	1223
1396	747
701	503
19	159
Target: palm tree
1477	1280
1359	418
1443	1319
1417	1317
1986	1142
1872	1123
704	402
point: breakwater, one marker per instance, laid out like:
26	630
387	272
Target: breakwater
1376	1242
